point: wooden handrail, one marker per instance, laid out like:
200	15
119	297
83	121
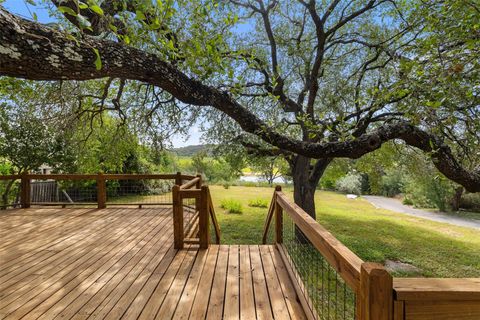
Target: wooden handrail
422	289
10	177
190	184
270	213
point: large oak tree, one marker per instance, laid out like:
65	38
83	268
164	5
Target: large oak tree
310	80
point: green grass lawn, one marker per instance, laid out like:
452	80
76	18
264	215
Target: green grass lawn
438	249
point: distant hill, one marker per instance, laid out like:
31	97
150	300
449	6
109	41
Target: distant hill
189	151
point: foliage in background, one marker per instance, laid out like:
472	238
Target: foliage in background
351	183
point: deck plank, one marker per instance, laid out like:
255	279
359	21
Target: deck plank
202	298
262	303
247	296
217	296
120	264
232	299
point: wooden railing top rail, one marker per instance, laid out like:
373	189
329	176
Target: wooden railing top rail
190	184
342	259
436	289
109	176
10	177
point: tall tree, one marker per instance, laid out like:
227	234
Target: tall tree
311	80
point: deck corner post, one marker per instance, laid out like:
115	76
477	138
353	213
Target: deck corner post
278	219
203	221
178	178
198	185
25	194
177	218
101	192
375	293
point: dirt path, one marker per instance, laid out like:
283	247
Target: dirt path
397	206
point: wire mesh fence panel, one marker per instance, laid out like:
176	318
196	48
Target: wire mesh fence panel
63	192
139	192
327	294
9	193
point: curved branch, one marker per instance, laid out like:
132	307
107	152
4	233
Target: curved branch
33	51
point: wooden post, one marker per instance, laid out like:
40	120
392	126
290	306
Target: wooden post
278	218
178	178
376	293
177	218
25	191
101	192
203	225
198	186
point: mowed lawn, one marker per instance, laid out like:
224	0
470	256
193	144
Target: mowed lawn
439	250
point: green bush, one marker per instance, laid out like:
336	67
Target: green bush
429	191
231	206
392	183
407	201
259	203
470	201
351	183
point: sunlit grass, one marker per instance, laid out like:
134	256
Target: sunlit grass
438	249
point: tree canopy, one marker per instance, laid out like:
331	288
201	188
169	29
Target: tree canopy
311	80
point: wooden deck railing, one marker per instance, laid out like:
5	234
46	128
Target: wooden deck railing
197	230
192	204
333	283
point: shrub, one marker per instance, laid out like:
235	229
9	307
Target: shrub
470	201
429	191
407	201
351	183
231	206
259	203
392	183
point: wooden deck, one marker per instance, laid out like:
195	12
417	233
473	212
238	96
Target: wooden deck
121	264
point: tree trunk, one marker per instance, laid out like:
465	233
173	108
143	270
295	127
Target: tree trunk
303	189
305	180
5	195
456	198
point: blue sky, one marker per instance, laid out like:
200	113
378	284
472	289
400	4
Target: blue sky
25	10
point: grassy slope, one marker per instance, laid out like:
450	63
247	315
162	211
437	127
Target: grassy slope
438	249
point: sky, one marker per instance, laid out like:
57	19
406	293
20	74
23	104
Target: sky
22	8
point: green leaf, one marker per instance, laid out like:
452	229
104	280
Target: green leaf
35	17
140	16
67	10
82	5
97	9
98	60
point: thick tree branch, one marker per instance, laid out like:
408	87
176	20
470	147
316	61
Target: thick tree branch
33	51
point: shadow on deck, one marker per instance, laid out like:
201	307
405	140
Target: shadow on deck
121	264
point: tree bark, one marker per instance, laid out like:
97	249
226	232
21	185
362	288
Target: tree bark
457	196
305	181
37	52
